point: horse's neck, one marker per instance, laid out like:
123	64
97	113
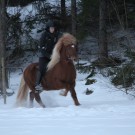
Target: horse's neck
63	54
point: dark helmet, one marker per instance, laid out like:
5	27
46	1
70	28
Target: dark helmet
49	24
54	24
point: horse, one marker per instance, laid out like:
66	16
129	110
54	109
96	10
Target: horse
61	73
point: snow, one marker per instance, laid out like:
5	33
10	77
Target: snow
27	10
107	111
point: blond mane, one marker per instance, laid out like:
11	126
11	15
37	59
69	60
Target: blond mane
65	40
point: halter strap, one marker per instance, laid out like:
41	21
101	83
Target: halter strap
67	60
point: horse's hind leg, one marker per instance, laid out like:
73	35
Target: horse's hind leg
73	94
31	99
38	99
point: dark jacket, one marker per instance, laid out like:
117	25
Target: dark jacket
47	43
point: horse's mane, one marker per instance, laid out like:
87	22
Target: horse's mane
65	40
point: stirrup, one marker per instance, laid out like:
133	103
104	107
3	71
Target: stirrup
38	87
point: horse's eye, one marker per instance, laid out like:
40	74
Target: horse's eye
73	46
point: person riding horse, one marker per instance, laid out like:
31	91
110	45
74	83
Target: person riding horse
61	73
47	42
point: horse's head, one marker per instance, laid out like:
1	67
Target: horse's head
71	52
70	45
65	48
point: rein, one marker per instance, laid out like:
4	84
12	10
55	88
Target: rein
66	60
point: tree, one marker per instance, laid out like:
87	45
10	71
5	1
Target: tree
73	14
63	9
22	3
88	18
63	14
2	45
103	48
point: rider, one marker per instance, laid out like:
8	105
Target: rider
47	42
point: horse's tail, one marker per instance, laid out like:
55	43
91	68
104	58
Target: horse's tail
22	93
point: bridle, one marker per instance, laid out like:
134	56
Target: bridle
73	46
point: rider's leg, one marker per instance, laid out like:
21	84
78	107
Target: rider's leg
41	72
38	80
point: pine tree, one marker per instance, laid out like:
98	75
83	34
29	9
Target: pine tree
2	46
73	14
103	48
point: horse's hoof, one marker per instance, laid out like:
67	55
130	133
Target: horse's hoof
31	106
63	93
77	104
43	106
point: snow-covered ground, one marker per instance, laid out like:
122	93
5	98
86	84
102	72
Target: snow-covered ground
107	111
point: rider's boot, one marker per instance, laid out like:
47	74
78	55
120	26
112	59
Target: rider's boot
38	86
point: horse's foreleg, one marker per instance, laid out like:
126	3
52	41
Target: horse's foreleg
38	99
31	99
73	94
64	92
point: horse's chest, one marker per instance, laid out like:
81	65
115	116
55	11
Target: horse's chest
69	72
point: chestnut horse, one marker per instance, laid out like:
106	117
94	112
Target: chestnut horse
61	73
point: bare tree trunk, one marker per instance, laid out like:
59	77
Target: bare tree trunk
73	13
63	9
2	46
63	15
103	47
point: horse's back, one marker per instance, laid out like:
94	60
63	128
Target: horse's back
32	66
